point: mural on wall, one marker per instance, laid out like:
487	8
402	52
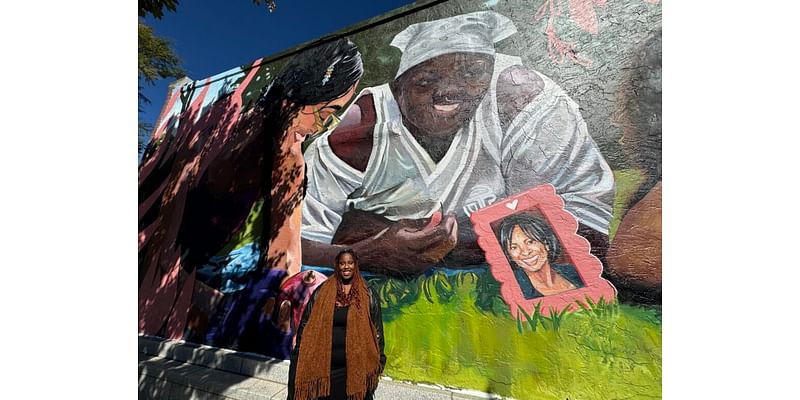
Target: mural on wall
459	122
495	165
220	199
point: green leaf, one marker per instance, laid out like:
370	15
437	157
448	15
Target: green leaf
583	307
563	314
590	302
444	289
427	283
532	321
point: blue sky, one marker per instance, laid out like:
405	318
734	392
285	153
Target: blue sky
212	36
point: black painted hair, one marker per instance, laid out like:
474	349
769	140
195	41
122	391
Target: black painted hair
320	74
536	229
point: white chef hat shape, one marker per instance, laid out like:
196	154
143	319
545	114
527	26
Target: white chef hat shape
470	33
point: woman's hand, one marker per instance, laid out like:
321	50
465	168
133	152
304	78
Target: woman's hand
404	247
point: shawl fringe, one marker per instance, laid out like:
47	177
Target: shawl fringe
311	390
372	384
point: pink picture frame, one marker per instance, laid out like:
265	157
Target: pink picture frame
542	203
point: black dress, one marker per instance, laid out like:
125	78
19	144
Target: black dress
338	355
338	347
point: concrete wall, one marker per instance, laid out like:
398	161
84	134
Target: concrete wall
436	180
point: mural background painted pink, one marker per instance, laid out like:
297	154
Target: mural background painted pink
163	297
582	13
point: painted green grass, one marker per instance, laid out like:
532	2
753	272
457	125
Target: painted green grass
439	330
457	331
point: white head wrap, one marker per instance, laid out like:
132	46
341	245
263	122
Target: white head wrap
469	33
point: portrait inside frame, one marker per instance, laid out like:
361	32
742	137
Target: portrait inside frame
534	252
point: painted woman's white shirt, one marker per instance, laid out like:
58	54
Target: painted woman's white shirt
548	142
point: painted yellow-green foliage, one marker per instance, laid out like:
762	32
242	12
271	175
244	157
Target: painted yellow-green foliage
249	232
627	181
605	351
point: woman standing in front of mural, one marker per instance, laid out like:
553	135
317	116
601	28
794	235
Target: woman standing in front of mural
532	250
302	100
339	352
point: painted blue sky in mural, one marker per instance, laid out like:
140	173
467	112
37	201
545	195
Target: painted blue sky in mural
212	36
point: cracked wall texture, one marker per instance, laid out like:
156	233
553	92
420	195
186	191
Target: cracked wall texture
448	324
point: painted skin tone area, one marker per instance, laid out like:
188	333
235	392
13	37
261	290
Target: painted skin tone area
439	96
531	255
311	118
286	242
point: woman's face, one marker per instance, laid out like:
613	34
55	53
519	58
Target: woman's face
310	119
439	96
529	254
346	266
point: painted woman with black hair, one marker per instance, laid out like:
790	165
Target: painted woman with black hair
264	159
339	351
303	100
532	250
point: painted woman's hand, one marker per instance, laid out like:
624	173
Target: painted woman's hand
408	247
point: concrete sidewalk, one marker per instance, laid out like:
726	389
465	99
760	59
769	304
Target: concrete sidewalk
170	369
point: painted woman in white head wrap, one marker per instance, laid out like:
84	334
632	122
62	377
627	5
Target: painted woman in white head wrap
444	73
459	127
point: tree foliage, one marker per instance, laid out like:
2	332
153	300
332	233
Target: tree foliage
156	7
270	4
157	60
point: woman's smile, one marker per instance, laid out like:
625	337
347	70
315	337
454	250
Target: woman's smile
530	260
446	109
347	272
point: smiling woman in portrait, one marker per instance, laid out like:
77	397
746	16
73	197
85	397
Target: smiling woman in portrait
532	250
339	352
